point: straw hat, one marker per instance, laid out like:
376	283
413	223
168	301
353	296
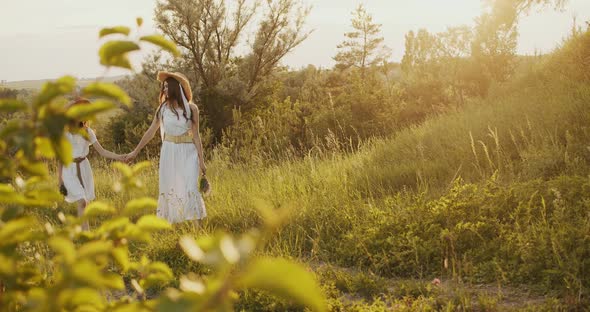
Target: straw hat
186	87
76	101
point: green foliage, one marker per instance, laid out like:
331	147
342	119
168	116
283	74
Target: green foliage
11	105
294	282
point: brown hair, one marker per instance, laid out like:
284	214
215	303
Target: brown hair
173	94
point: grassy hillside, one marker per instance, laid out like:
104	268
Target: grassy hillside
494	193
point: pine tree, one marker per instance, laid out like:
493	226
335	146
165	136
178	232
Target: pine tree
363	46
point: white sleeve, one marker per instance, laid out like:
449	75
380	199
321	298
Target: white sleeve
91	136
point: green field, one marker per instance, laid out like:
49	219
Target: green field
492	199
455	180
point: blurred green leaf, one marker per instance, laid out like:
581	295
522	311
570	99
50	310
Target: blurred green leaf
123	30
120	61
113	281
98	208
37	168
11	105
113	53
107	90
152	223
135	233
140	206
176	301
42	196
159	274
121	256
37	299
44	148
7	265
64	247
53	89
94	248
139	21
124	169
191	249
229	250
89	273
112	225
162	42
16	231
285	279
8	195
11	128
140	166
63	150
81	299
83	112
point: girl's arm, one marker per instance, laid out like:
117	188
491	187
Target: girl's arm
147	136
197	137
103	152
107	154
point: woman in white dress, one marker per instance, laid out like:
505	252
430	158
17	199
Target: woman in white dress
181	155
76	180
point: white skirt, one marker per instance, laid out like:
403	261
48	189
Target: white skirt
179	198
76	191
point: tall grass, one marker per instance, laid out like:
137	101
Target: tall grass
495	192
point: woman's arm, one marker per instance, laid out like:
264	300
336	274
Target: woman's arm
147	136
197	137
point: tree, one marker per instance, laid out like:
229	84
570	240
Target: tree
494	47
455	48
210	33
502	7
363	46
421	52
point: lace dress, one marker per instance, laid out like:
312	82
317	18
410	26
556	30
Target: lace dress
179	198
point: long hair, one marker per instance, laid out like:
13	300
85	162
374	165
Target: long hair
173	94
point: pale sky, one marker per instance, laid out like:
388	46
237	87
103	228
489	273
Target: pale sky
46	39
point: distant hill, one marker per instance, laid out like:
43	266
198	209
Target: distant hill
36	84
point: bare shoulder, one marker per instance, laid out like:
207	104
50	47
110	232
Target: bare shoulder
194	107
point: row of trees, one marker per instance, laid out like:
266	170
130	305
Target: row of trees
251	105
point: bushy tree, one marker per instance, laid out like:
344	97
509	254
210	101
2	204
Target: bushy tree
211	36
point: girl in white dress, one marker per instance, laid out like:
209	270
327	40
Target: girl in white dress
181	155
76	180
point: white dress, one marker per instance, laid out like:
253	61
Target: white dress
179	198
77	191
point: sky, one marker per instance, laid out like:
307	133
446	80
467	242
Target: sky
41	39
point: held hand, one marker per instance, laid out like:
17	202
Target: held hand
129	157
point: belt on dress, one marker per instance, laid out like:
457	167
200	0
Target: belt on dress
78	161
185	138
